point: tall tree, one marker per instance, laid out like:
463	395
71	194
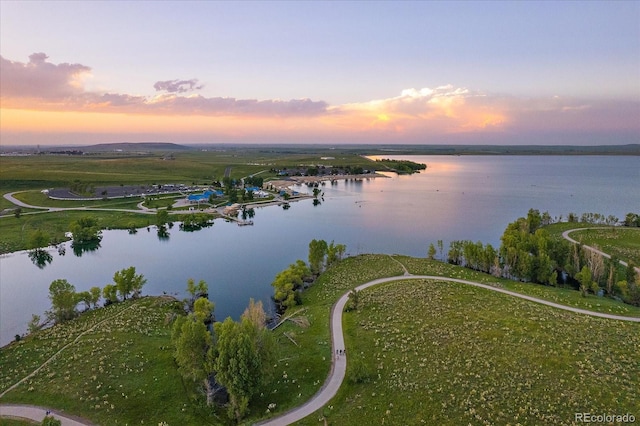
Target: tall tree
317	252
64	299
431	253
95	296
110	294
194	350
243	361
162	217
128	282
255	314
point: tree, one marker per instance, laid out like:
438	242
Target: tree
317	253
245	355
162	217
203	310
286	284
197	290
431	253
631	273
441	249
38	239
128	282
34	325
64	299
255	314
51	421
595	262
95	296
194	350
110	294
85	231
352	303
85	297
584	278
334	253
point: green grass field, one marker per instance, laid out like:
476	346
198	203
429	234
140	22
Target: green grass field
445	353
432	350
32	174
621	242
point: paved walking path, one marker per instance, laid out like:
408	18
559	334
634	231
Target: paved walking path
339	363
38	413
566	236
32	412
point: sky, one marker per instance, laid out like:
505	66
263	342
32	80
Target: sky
339	72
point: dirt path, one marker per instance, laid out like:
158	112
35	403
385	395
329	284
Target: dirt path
52	357
339	362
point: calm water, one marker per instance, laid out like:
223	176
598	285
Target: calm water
467	197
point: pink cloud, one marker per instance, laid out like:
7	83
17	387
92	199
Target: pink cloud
41	79
426	115
178	86
42	85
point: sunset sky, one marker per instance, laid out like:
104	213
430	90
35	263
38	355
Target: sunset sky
320	72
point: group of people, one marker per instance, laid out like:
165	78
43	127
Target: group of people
341	351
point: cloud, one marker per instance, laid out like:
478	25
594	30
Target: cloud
178	86
424	115
41	79
44	86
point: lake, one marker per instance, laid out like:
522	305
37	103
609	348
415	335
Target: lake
456	197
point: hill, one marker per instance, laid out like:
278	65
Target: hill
134	147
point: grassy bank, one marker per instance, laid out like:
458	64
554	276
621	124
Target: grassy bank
16	231
623	243
121	372
433	351
445	353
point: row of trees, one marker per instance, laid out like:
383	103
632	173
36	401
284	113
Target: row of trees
529	253
289	282
236	357
65	300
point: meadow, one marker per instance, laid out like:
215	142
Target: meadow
426	347
444	353
623	243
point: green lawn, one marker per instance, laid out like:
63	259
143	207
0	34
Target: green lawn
15	232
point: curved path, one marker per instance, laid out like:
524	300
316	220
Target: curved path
38	413
9	197
339	362
566	236
31	412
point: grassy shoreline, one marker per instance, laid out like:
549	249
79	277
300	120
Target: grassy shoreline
130	359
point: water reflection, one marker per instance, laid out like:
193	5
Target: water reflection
79	249
163	233
40	258
248	214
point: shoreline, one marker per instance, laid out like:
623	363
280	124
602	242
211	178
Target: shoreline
286	183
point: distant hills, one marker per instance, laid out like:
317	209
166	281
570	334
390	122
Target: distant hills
133	147
138	148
